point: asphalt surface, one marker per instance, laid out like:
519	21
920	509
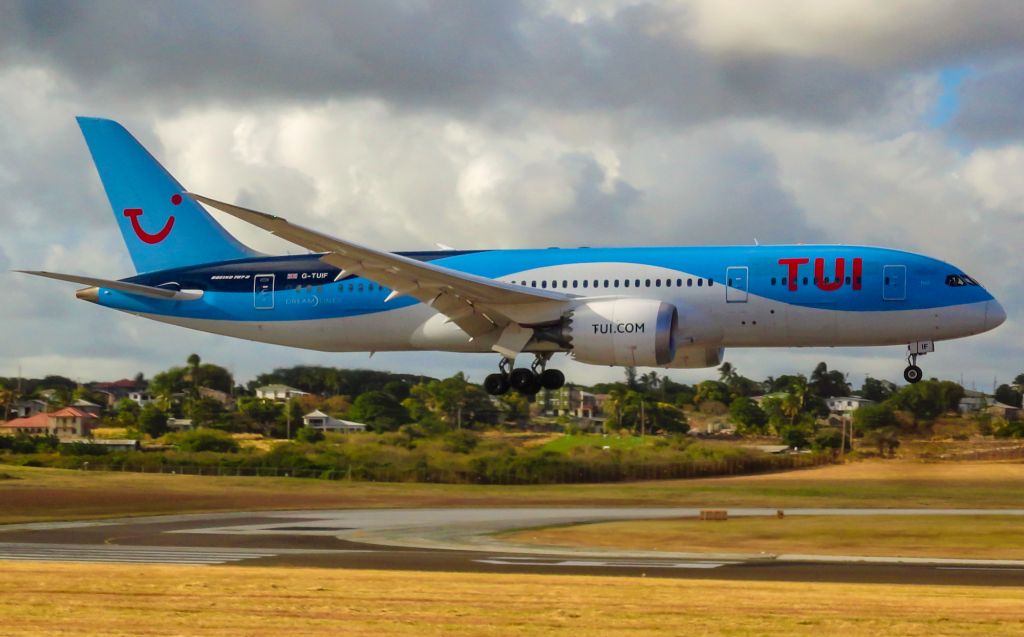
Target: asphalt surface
460	540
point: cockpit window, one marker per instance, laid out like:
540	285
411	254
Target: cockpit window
959	280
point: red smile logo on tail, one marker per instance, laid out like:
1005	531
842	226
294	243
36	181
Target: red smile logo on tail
152	239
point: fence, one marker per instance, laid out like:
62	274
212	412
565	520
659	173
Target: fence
511	474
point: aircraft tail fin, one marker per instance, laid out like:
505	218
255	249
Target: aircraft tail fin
161	226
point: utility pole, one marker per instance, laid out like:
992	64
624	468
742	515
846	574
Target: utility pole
643	419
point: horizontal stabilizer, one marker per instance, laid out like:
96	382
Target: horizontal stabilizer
121	286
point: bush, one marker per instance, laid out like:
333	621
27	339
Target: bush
460	441
204	440
309	434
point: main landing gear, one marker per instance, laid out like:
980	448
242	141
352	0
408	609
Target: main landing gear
527	381
913	373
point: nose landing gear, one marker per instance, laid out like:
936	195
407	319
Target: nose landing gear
525	380
913	373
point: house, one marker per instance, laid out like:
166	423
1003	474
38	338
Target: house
974	401
72	422
180	424
37	425
1009	413
279	393
319	420
573	401
64	423
846	405
87	407
223	398
141	397
28	407
118	389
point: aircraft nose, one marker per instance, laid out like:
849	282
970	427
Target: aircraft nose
995	315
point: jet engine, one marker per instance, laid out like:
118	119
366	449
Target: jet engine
631	332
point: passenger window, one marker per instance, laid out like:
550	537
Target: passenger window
585	283
887	280
565	283
351	287
805	280
625	283
679	283
533	284
784	280
637	283
773	281
544	284
847	280
668	283
606	282
615	283
700	282
689	283
711	282
574	283
647	283
657	283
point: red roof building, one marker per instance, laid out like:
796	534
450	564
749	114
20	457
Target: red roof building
64	423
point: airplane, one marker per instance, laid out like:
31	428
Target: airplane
667	307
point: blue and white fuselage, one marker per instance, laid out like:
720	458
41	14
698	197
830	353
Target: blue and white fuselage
666	307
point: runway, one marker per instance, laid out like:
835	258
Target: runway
461	540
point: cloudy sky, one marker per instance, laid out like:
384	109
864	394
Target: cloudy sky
517	124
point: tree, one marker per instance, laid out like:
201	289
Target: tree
828	438
1019	380
928	399
152	421
453	400
712	390
872	417
748	416
795	436
260	411
726	372
379	410
1008	396
828	384
876	390
631	377
127	413
206	411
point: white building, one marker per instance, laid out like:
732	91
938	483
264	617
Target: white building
180	424
846	404
279	392
141	398
319	420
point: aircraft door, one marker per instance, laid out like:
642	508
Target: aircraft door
894	283
263	292
736	284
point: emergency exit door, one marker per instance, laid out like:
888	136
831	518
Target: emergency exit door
263	292
894	283
736	284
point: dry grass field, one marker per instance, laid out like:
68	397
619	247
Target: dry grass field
975	537
103	600
53	494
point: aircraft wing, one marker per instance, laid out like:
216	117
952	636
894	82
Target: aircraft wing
476	304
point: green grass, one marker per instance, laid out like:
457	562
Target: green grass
597	441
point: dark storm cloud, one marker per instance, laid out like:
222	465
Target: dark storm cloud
457	56
991	106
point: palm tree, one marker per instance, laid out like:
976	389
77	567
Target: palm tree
794	401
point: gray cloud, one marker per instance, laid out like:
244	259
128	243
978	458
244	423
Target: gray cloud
991	102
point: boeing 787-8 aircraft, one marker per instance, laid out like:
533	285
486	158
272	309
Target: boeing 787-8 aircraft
659	307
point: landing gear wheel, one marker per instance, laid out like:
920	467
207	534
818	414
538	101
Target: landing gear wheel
524	381
912	374
496	384
552	379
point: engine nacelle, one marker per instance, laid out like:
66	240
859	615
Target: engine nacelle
630	332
